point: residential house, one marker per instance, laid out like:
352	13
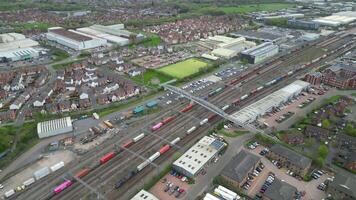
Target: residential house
342	187
316	132
293	138
279	190
293	161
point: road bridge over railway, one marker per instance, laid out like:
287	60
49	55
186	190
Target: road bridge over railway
211	107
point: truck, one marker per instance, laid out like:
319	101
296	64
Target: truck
96	116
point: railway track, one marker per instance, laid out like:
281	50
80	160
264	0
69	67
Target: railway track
179	125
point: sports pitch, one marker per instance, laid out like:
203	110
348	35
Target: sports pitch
184	68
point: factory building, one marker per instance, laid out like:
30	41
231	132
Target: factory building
121	41
73	39
309	36
226	47
144	195
260	53
192	161
54	127
266	104
337	19
303	24
117	30
15	47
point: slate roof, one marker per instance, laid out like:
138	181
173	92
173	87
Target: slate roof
240	165
345	184
279	190
293	157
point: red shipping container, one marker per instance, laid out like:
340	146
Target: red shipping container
127	144
187	108
107	157
211	117
164	149
82	173
168	119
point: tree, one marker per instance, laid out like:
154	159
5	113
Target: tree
319	162
325	123
350	129
323	151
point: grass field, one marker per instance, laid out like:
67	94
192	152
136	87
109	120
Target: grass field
184	69
150	75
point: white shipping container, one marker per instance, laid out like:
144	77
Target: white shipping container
95	115
139	137
154	157
143	165
244	97
204	121
191	129
223	194
175	141
290	73
57	166
9	193
222	188
259	88
41	173
210	197
28	182
225	107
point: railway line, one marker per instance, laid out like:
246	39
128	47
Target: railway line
177	128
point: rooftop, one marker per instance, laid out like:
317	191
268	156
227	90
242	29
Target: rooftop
346	184
260	49
144	195
240	165
280	190
69	34
256	35
293	157
44	128
196	157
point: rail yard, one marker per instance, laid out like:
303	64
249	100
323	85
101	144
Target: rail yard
114	169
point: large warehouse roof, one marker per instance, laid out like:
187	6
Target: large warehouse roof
337	19
54	127
103	35
144	195
198	155
17	44
251	112
69	34
260	49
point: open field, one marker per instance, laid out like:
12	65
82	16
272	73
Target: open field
184	69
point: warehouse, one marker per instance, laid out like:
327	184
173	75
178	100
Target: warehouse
266	104
15	47
121	41
193	160
117	30
54	127
257	35
74	39
303	24
225	47
144	195
337	19
260	53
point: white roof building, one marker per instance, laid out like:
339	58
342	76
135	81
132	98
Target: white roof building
337	19
99	34
144	195
193	160
251	112
15	46
54	127
74	39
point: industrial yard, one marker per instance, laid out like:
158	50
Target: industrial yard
178	101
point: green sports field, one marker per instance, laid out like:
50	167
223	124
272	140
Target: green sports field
184	68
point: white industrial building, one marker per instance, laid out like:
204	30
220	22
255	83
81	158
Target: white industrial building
193	160
110	38
337	19
15	47
74	39
54	127
310	36
266	104
226	47
144	195
260	53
